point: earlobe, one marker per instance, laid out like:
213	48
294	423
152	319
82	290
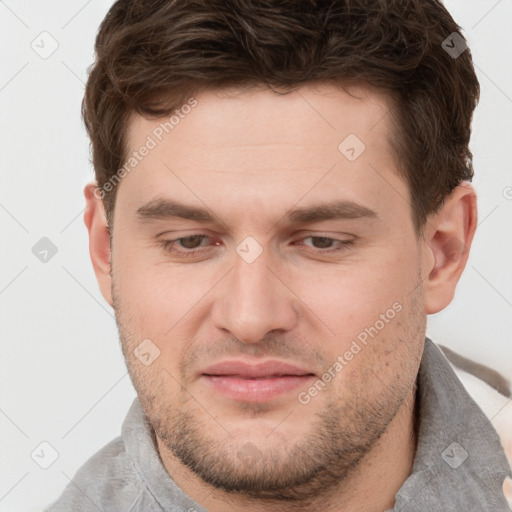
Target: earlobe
99	240
450	234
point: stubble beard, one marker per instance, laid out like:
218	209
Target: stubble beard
340	436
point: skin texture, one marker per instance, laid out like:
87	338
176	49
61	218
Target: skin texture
248	157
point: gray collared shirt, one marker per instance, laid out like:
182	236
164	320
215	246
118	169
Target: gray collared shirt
459	463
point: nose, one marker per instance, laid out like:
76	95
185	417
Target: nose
254	299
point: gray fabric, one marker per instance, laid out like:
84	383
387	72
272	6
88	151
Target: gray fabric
127	475
449	415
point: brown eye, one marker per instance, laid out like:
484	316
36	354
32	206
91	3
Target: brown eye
327	245
190	242
322	242
188	246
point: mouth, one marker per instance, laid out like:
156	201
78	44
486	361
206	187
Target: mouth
262	382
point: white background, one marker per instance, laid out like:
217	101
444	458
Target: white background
63	379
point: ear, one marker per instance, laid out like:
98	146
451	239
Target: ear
447	241
99	241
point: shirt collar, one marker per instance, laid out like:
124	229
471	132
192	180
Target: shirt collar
459	462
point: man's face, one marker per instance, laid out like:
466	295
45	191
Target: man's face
269	283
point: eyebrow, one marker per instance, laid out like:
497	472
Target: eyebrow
166	209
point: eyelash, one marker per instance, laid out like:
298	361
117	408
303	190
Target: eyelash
168	245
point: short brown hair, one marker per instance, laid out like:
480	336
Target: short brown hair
153	54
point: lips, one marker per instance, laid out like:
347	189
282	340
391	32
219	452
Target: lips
255	371
255	382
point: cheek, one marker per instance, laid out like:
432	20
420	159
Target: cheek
352	297
154	295
163	304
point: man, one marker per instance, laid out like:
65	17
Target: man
282	195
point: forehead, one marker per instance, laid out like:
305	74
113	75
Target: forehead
252	116
237	146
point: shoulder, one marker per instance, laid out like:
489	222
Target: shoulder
493	394
107	481
490	390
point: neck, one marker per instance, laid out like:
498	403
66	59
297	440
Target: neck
371	487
